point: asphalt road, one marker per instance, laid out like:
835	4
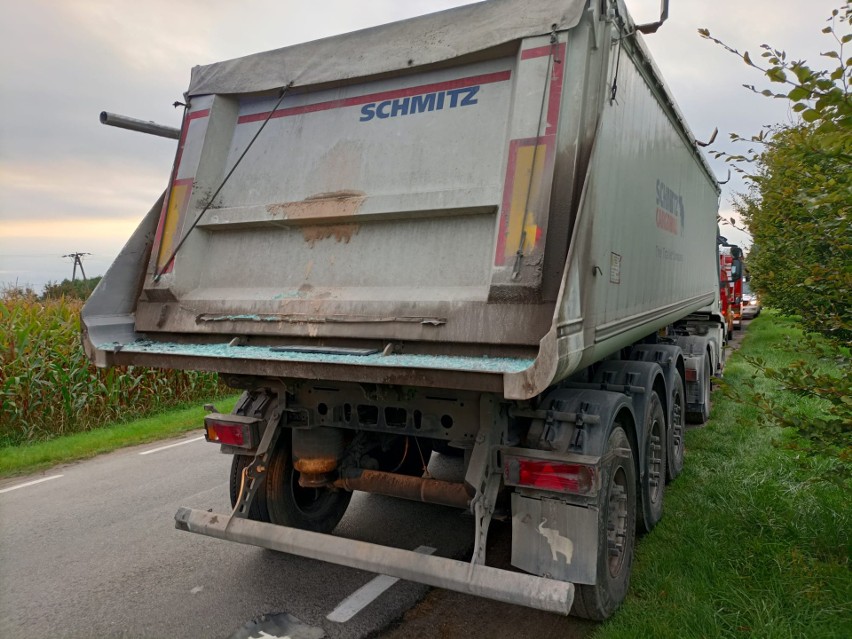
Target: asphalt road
91	551
94	553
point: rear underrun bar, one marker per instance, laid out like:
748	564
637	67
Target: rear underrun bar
483	581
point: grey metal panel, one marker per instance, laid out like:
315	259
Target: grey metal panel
631	268
323	144
332	211
448	315
450	252
108	314
655	209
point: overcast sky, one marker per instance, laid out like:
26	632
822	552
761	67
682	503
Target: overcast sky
68	183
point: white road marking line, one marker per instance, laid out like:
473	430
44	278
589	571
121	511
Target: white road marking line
367	593
31	483
157	450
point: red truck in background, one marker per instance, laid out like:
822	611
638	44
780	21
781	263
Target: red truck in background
726	293
731	285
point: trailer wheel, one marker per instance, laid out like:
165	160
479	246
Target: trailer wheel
701	416
652	484
616	533
257	510
677	445
289	504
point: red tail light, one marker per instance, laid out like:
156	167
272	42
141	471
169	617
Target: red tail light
230	434
579	479
231	430
691	375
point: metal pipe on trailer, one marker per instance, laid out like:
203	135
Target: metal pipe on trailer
132	124
430	491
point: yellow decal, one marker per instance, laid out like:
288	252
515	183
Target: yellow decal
523	178
178	196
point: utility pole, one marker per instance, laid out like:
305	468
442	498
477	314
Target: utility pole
78	260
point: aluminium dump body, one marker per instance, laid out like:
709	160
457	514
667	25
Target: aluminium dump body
458	187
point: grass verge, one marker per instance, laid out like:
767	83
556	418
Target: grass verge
755	541
29	458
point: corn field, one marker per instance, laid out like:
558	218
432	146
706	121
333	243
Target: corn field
49	388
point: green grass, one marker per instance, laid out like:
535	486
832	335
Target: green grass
28	458
751	544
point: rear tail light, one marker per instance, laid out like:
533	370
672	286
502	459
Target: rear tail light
557	476
231	430
691	375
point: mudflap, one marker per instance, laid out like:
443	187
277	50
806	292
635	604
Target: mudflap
553	539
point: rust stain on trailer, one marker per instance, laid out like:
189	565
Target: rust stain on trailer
322	206
340	232
315	213
315	465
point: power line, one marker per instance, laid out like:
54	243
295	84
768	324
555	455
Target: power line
29	255
78	259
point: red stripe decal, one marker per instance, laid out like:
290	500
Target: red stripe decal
555	98
537	52
488	78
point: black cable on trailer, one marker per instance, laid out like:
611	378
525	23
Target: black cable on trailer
159	274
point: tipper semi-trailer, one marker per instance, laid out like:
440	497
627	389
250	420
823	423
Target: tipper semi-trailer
486	231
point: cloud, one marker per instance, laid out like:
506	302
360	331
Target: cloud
74	231
78	189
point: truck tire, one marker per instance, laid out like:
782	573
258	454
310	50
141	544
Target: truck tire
616	534
257	510
701	416
288	504
677	444
652	485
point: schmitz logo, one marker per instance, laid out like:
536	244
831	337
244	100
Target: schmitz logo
435	101
670	210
